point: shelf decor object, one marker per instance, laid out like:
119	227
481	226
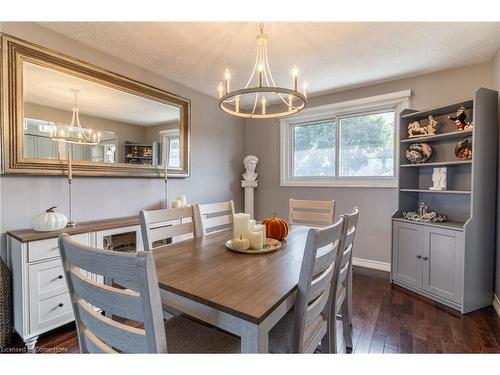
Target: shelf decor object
418	153
260	89
451	262
463	149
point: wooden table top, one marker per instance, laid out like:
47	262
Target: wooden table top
249	286
26	235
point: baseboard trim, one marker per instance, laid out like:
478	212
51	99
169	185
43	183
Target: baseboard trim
496	304
373	264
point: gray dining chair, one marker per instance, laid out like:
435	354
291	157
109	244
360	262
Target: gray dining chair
309	323
343	274
173	224
137	324
311	213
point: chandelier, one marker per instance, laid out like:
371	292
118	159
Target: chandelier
74	133
251	101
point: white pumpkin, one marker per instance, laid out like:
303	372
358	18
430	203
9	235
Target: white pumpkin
49	221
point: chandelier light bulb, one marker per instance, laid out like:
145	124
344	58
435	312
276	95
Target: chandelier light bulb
260	67
227	74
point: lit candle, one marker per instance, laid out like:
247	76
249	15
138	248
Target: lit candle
221	89
263	105
241	224
295	74
227	77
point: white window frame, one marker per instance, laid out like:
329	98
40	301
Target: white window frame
396	101
166	136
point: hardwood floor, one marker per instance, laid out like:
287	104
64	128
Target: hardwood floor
386	319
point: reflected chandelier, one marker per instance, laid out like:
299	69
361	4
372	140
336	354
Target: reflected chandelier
261	87
74	133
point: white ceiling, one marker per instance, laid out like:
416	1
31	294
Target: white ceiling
330	55
51	88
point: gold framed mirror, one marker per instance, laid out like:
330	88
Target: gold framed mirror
55	107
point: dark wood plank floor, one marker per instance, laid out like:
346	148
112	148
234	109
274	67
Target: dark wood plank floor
386	319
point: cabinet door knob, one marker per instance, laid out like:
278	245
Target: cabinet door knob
419	256
60	277
425	258
60	305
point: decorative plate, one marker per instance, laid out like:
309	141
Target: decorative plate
418	153
463	150
270	245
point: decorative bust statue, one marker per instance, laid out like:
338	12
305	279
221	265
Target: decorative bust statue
250	162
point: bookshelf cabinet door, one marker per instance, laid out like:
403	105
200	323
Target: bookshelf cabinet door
441	271
407	259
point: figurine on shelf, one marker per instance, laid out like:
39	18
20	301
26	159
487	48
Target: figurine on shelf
460	120
438	179
415	129
422	208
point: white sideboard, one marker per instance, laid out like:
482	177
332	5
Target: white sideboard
41	298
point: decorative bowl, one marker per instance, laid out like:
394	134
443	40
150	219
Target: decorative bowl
463	150
418	153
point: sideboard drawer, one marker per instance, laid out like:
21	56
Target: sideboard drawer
46	279
50	312
46	249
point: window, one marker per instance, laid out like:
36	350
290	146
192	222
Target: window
170	146
350	144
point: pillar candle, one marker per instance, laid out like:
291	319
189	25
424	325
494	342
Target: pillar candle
256	240
241	223
251	226
261	228
182	199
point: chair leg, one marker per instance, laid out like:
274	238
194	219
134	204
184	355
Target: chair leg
349	296
346	324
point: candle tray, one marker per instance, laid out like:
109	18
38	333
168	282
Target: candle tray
270	245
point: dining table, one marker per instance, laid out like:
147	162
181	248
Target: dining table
244	294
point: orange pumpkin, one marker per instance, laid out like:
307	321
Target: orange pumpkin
276	228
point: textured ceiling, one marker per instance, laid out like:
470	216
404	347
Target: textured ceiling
52	88
329	55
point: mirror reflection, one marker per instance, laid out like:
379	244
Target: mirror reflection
96	123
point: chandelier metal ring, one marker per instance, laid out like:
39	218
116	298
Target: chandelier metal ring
231	97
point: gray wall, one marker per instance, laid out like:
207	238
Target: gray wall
376	204
496	86
216	154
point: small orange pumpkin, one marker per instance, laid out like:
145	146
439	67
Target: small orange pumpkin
276	228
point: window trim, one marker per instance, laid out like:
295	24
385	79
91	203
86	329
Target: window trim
396	101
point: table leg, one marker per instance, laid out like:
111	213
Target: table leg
255	338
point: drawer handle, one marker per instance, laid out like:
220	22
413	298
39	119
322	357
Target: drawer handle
60	305
419	256
60	277
425	258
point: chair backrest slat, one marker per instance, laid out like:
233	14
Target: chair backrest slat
93	345
99	334
121	302
117	335
313	213
316	273
166	224
213	217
